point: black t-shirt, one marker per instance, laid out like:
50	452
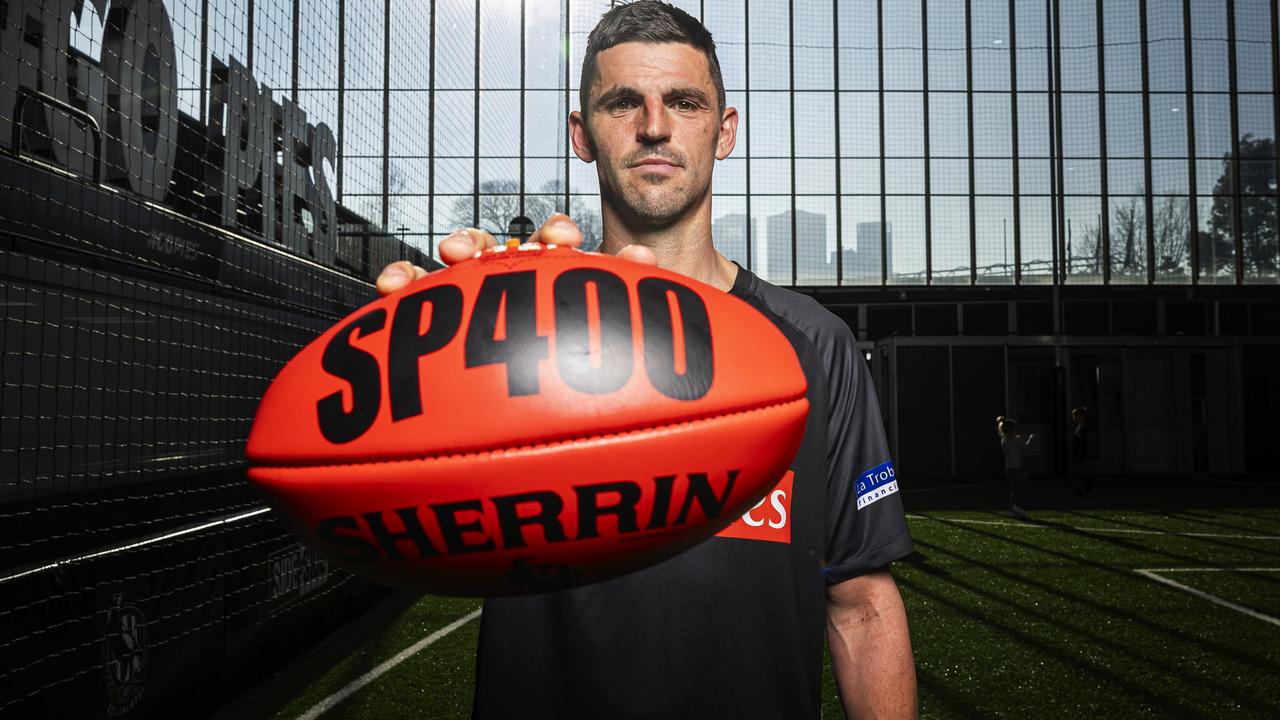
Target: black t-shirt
732	628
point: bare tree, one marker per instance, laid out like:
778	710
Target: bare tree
1128	239
1172	229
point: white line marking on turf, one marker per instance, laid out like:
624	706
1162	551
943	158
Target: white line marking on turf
327	704
1125	531
1206	596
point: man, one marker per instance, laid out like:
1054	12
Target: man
731	628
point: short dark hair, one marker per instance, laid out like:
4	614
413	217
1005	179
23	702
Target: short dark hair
648	21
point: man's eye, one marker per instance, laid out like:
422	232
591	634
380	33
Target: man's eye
624	104
685	105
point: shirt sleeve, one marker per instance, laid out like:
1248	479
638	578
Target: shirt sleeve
866	524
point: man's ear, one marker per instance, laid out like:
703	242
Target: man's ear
728	133
580	137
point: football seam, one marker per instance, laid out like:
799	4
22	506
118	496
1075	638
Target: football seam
537	445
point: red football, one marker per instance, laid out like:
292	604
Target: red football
528	420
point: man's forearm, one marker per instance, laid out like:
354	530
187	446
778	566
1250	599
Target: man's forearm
871	648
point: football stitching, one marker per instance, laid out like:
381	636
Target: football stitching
535	446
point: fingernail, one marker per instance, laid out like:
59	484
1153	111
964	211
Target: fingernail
395	271
562	223
460	235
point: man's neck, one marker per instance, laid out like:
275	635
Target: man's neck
684	247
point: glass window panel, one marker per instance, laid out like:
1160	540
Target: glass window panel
902	47
904	137
454	175
1126	176
860	124
499	46
1128	240
770	57
1210	68
1032	40
1213	177
727	23
410	43
544	64
770	176
1080	125
949	176
1082	177
948	125
904	176
1033	124
729	229
409	121
363	123
862	246
1079	38
273	43
1035	177
861	175
859	57
545	121
363	176
455	53
500	122
1165	50
950	238
1168	125
1169	177
1213	126
583	178
992	125
993	177
1171	225
317	52
499	175
583	16
815	176
770	129
1036	240
1253	45
322	107
453	212
815	240
1257	177
456	136
905	233
730	177
990	37
815	124
814	54
1217	248
1256	116
993	243
772	219
1124	125
407	211
1082	220
544	176
1123	51
947	56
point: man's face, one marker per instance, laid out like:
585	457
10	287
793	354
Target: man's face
655	127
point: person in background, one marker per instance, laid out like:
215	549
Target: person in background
1012	444
1079	451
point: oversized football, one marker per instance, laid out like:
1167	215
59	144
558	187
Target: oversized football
528	420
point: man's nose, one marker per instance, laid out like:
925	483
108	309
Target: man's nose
655	125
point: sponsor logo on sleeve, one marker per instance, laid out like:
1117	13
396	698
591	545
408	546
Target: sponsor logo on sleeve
877	483
769	519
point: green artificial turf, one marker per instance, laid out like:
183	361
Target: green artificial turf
1043	619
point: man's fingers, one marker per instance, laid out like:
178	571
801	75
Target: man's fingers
397	275
558	230
638	253
463	244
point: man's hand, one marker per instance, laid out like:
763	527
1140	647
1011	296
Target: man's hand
871	648
465	243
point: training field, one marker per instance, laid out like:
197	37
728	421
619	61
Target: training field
1084	611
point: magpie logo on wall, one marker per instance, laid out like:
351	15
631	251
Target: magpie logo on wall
261	165
124	655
